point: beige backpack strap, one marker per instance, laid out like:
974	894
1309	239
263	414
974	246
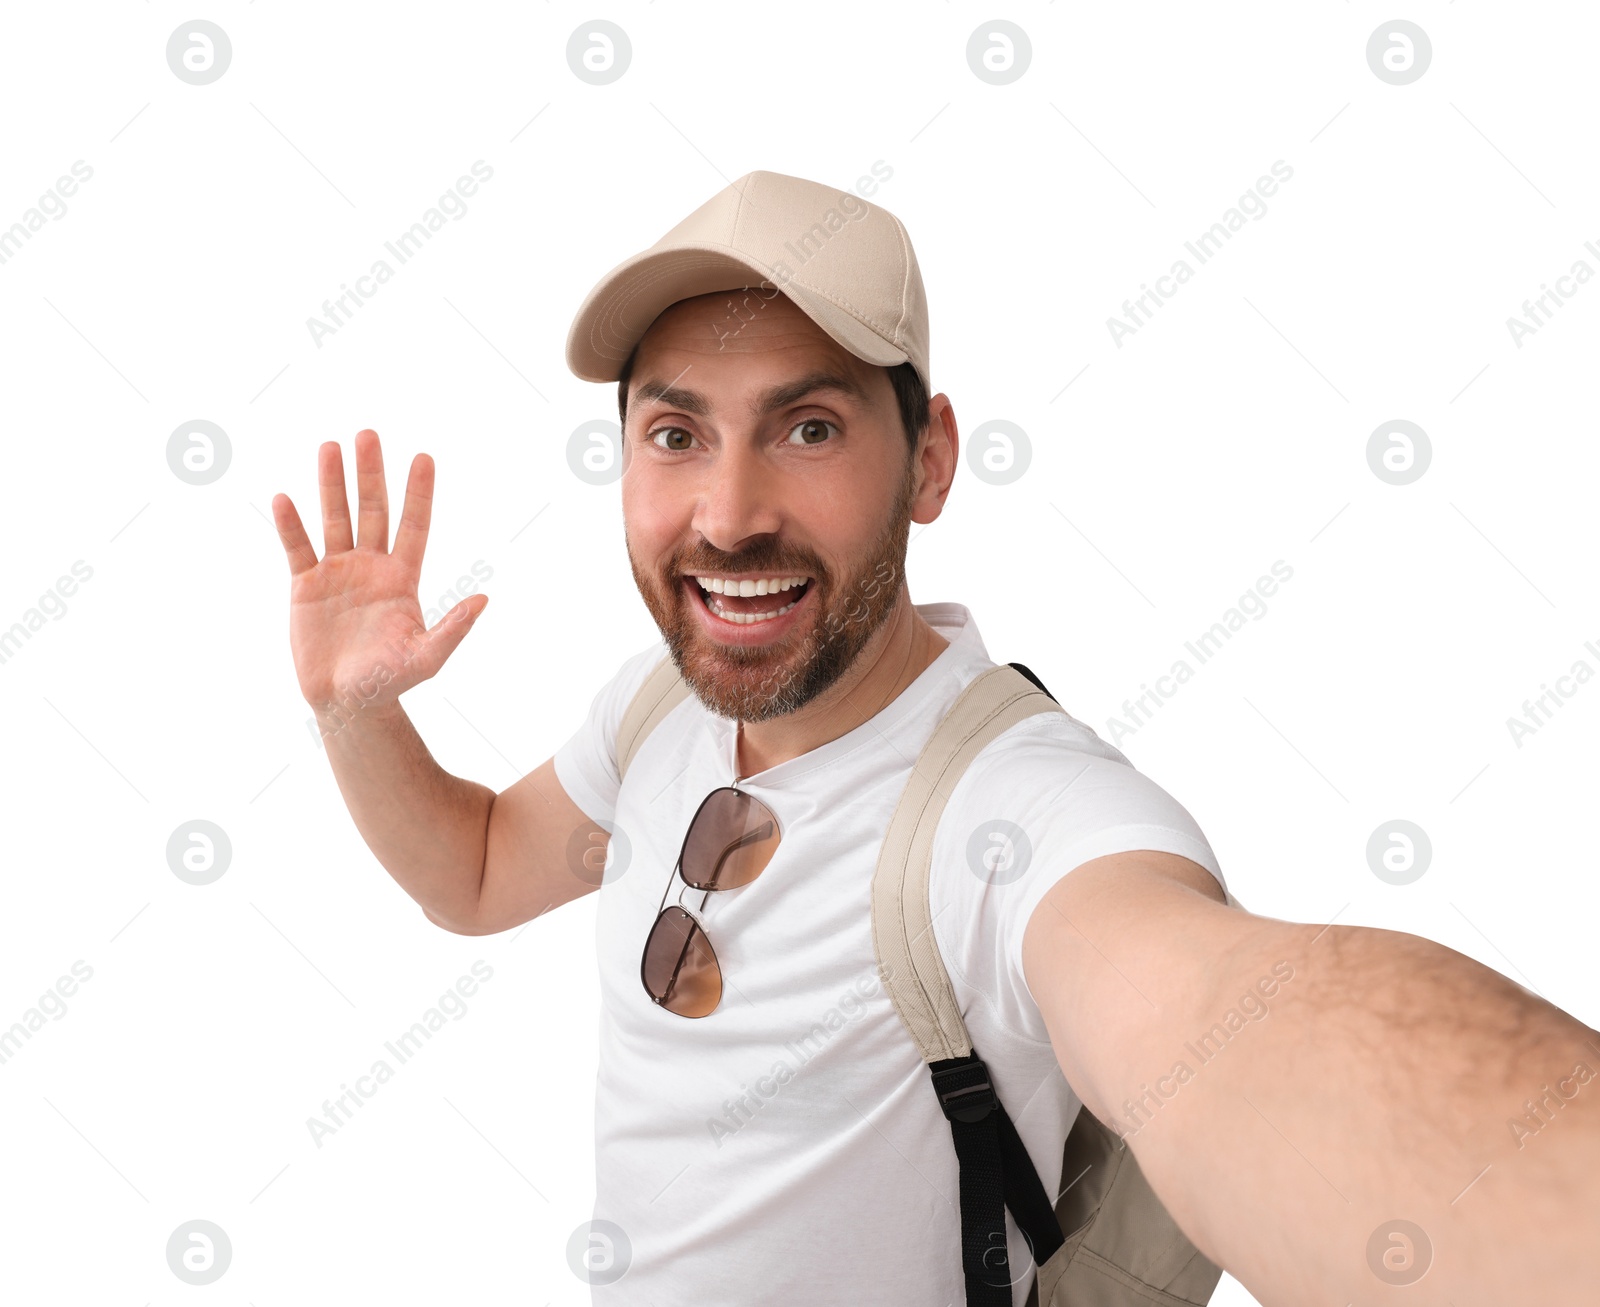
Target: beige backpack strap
1122	1248
902	924
662	691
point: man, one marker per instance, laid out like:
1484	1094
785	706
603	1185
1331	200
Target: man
772	1138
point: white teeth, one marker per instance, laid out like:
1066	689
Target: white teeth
764	586
744	619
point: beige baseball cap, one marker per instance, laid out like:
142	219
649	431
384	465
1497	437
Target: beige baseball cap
848	264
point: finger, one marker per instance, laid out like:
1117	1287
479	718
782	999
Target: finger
372	527
450	630
335	506
411	536
292	532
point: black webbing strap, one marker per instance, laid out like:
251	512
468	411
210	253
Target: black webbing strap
996	1173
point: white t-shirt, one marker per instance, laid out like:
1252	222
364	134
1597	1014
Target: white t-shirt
789	1148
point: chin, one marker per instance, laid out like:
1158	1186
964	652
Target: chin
764	682
751	683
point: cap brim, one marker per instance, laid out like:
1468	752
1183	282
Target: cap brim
619	310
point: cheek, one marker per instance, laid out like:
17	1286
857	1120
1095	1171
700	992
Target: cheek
637	518
652	527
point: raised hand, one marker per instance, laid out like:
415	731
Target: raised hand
355	624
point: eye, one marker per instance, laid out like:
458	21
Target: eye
675	434
813	431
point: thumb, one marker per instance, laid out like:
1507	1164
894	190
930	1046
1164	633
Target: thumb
451	629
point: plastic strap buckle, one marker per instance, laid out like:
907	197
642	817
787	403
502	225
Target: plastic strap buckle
966	1101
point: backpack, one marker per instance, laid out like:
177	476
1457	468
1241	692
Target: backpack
1107	1240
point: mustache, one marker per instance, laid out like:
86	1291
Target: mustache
701	564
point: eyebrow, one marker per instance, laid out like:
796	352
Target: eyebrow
768	401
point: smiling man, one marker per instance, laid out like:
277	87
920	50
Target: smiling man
1330	1113
819	507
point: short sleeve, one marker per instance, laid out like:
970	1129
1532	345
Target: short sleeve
586	765
1038	802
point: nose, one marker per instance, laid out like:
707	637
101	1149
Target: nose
739	499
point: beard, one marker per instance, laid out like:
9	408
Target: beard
756	684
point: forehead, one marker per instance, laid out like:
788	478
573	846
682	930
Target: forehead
743	322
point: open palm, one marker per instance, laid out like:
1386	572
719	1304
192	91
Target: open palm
355	624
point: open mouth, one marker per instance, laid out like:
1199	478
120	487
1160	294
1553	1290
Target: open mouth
749	602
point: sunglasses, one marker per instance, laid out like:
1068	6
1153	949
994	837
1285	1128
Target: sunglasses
729	842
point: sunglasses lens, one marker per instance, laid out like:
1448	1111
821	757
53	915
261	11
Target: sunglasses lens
730	841
679	969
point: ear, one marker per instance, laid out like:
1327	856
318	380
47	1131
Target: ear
937	455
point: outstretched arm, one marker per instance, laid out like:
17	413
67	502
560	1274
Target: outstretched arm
1327	1111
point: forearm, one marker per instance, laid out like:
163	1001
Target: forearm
1374	1077
427	827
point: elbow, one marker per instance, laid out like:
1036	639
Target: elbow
454	927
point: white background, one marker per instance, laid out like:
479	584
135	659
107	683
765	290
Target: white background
1167	474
